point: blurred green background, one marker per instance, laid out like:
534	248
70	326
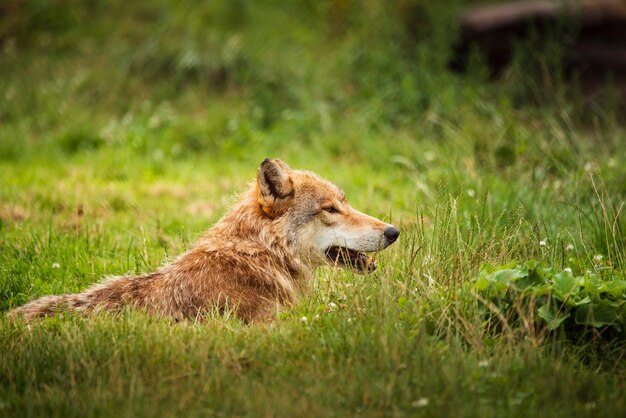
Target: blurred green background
127	128
154	89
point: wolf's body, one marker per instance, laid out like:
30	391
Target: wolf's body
257	258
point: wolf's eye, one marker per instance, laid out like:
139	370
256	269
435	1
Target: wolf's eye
331	209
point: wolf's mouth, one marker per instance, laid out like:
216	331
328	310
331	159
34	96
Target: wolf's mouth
346	257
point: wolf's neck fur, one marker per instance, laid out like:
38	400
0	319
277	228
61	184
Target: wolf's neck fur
247	226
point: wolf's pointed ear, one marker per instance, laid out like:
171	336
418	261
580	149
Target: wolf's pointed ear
275	186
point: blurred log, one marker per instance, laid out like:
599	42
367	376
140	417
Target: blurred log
599	45
511	14
506	15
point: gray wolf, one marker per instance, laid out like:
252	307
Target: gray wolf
258	258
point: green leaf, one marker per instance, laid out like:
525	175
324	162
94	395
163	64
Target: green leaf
616	288
596	300
593	284
482	283
596	315
553	317
609	302
564	285
531	264
503	278
532	277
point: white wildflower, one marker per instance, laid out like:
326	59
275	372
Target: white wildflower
567	269
303	319
158	154
542	243
332	305
154	122
316	317
597	259
570	247
420	403
232	125
483	363
56	266
590	405
471	192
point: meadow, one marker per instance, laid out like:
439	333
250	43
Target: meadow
128	129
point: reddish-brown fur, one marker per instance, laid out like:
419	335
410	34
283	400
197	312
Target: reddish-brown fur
250	263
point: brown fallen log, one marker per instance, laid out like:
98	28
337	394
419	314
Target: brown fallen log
489	18
599	44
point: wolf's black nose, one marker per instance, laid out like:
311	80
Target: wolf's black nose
391	234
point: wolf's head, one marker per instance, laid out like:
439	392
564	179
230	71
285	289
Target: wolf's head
318	221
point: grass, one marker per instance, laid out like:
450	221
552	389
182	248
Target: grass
127	131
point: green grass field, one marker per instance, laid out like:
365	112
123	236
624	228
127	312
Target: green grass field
126	130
